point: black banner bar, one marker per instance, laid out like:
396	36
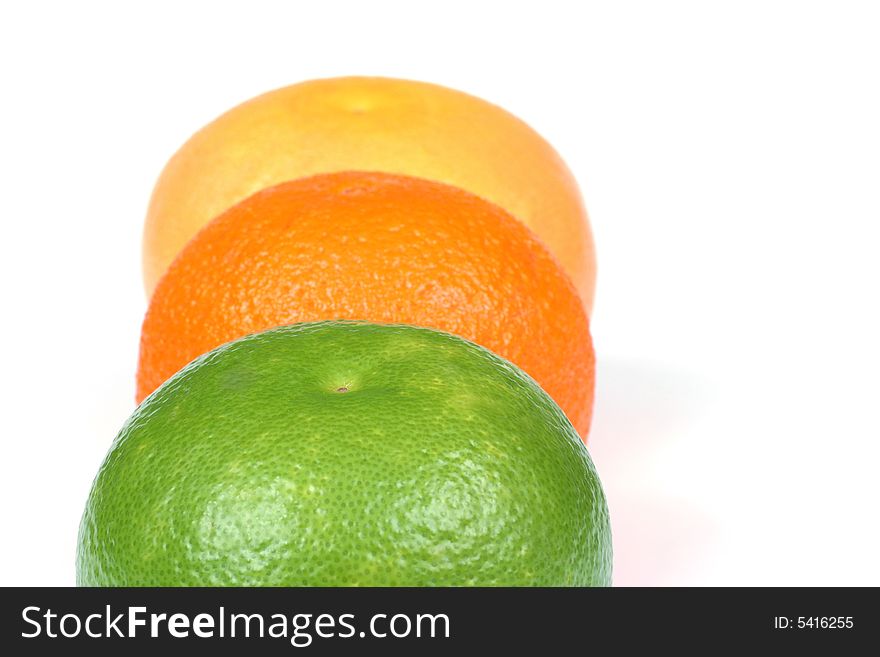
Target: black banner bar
434	621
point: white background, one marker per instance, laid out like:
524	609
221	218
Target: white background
729	155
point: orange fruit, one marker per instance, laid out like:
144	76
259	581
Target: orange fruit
370	124
382	248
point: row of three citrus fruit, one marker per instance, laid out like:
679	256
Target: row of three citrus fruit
341	453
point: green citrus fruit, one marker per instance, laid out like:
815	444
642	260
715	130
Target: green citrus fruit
346	453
